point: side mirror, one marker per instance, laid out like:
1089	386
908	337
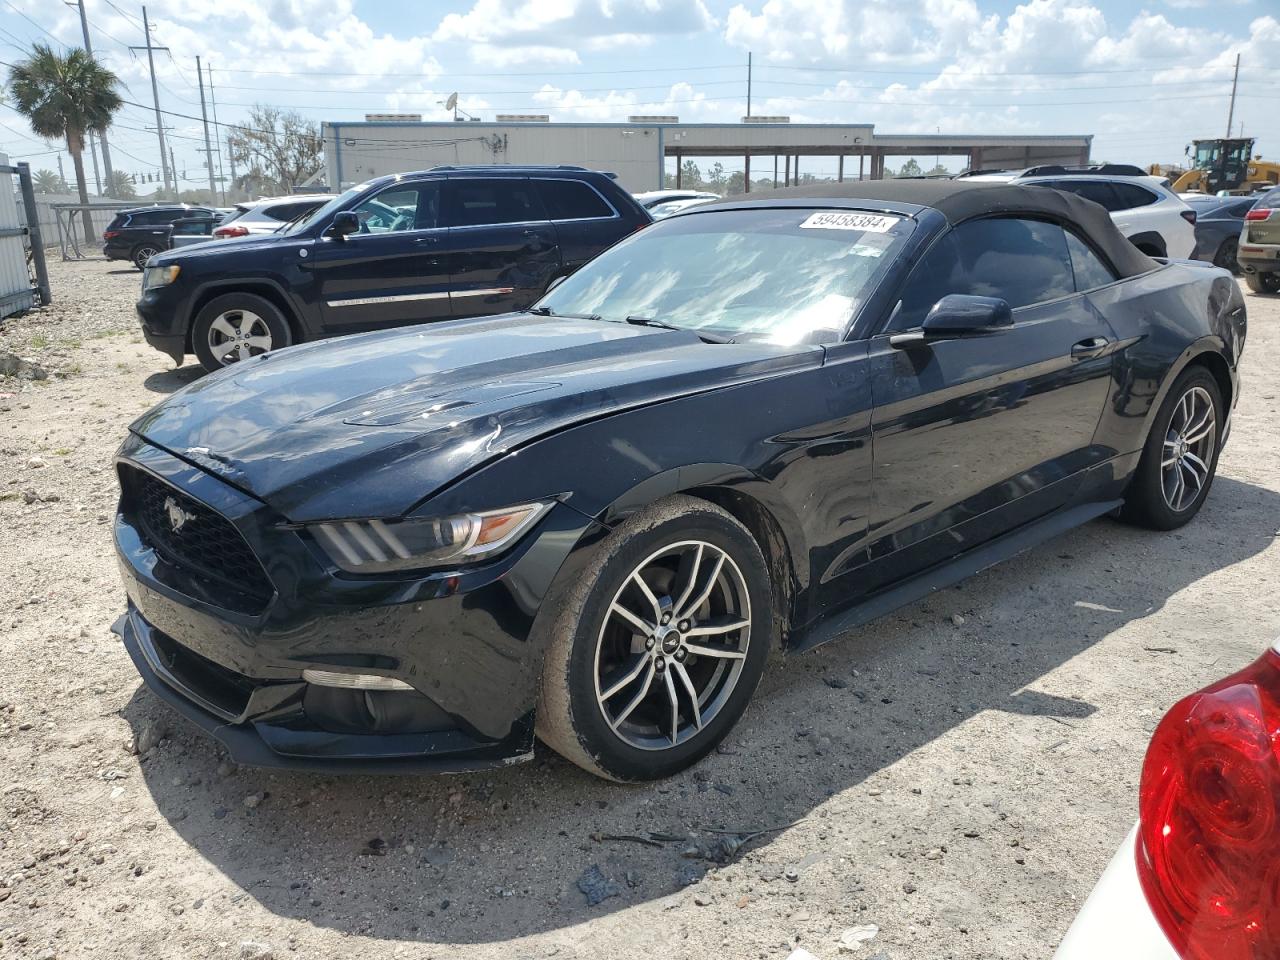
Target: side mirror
958	315
345	222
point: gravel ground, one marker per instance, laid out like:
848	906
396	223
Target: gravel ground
956	775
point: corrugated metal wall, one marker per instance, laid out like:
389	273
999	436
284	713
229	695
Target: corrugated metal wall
16	292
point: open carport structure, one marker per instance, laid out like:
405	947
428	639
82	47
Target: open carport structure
639	152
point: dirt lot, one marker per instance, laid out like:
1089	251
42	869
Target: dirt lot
956	775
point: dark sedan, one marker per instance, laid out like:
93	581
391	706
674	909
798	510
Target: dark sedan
1218	223
757	423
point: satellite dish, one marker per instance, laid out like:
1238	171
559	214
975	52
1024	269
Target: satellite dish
451	102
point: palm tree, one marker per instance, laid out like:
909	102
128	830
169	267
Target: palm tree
66	97
46	181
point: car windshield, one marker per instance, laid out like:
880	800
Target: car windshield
782	275
325	211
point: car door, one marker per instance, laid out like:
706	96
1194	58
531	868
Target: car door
503	251
975	436
394	271
585	221
193	230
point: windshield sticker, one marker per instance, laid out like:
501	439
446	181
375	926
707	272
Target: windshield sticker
842	220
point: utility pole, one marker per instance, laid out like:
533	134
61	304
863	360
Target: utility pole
61	176
1231	112
208	147
155	96
173	169
93	155
213	102
748	83
102	134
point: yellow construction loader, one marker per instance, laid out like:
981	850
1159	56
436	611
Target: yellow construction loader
1222	164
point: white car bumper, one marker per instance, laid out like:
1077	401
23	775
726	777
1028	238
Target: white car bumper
1116	923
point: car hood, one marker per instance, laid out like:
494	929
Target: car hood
219	246
370	425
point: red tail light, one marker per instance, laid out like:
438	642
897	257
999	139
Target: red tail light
234	230
1209	838
1257	215
110	234
1189	216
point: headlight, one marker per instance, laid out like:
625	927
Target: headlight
159	276
380	546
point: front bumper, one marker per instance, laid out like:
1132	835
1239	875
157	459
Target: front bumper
165	316
470	642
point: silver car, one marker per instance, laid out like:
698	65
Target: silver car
255	217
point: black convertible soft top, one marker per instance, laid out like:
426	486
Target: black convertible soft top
960	200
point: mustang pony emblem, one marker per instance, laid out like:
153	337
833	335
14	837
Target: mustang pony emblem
177	516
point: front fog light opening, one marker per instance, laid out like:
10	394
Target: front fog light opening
353	681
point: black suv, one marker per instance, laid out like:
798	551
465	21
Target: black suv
139	234
444	243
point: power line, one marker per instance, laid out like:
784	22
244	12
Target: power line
33	23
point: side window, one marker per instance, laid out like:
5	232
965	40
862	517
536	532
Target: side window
401	207
1021	261
1099	191
471	203
1090	271
284	212
571	200
1131	195
193	227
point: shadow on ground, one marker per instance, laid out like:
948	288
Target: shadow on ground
169	381
491	857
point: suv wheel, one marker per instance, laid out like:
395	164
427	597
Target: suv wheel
235	327
1260	282
653	659
1226	256
144	253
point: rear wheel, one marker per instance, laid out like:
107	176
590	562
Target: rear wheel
1180	458
1263	282
143	253
235	327
1226	255
654	659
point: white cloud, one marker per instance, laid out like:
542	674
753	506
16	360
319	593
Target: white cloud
563	23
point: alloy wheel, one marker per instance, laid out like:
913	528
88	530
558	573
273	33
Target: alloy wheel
1188	449
672	645
142	256
238	335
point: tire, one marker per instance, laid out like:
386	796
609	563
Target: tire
1260	282
144	252
594	649
236	326
1166	493
1226	255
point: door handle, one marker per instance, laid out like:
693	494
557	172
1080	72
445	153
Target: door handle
1090	348
425	240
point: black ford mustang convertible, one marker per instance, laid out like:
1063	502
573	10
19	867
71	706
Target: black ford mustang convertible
757	423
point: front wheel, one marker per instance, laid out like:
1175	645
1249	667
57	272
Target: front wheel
1263	282
235	327
654	658
1180	458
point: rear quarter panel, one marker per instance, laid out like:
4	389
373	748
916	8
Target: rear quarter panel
1164	320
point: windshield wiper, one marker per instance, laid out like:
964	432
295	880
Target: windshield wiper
651	322
548	312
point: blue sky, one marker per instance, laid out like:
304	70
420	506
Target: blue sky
1144	78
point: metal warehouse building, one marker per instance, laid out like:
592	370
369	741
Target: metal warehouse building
639	152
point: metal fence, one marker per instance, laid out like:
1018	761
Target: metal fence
68	222
24	279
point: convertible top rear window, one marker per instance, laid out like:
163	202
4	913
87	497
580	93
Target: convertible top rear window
784	275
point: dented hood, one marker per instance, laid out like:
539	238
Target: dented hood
371	425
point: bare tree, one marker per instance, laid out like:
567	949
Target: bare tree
278	146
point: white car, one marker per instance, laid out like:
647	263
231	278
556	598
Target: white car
665	208
255	217
649	199
1152	216
1198	878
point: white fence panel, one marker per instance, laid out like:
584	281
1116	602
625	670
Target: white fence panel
16	292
